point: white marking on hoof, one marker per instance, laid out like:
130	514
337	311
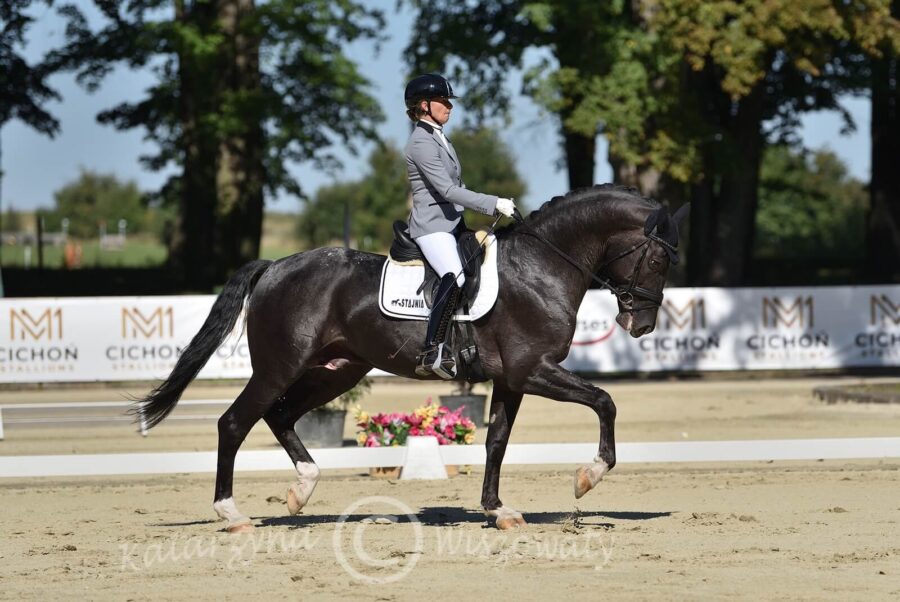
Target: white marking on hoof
587	477
299	493
228	511
506	518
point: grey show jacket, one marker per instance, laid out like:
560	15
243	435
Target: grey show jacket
438	192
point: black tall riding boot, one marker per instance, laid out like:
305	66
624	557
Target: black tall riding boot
435	358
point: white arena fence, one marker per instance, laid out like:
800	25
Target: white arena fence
524	453
140	338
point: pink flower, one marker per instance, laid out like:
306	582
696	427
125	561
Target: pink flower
372	441
449	431
414	431
414	420
443	409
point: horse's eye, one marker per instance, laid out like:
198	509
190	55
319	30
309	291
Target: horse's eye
655	264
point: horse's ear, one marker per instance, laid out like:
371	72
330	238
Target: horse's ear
681	213
657	218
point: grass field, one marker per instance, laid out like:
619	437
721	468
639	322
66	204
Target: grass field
278	240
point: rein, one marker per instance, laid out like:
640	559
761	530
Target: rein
625	294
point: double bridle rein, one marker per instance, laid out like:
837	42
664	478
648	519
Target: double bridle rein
625	294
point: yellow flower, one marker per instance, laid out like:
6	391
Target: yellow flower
469	438
361	438
362	416
427	422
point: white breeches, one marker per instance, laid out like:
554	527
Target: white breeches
439	249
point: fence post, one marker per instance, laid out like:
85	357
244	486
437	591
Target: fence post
1	424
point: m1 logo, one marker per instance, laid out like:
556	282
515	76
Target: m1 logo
796	314
691	315
883	311
45	325
159	323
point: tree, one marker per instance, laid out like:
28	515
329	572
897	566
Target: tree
231	121
809	207
749	71
489	167
484	41
381	196
688	92
883	227
24	90
99	199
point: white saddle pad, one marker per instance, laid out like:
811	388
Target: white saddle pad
397	293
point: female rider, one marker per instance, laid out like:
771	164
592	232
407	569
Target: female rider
438	199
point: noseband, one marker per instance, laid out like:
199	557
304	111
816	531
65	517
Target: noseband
626	294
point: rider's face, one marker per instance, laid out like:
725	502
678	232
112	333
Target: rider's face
440	109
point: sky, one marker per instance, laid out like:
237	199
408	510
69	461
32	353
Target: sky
34	166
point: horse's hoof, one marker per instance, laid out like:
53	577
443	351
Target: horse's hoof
506	518
293	500
507	523
583	482
242	527
587	477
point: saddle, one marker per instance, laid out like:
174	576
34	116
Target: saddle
404	250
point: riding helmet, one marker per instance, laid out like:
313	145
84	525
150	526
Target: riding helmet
426	87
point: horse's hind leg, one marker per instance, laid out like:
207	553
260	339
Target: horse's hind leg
504	407
316	387
254	401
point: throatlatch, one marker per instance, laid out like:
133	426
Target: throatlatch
435	357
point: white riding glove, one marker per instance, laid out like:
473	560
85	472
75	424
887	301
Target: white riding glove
506	207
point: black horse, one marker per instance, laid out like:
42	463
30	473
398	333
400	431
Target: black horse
314	330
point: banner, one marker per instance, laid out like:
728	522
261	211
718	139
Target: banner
745	329
141	338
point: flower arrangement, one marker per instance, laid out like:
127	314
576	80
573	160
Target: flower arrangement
388	430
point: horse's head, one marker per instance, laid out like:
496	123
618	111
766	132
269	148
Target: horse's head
637	264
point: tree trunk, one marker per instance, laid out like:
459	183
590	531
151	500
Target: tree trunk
191	248
883	222
241	172
724	215
579	159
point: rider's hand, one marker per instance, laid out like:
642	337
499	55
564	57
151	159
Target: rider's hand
506	207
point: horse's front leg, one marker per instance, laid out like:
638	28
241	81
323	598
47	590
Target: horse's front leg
551	380
504	407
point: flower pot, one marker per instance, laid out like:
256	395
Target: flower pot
393	472
474	409
385	472
321	428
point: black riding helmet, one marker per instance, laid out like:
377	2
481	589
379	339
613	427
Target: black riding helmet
426	87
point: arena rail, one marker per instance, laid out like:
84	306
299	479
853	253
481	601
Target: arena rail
75	405
526	453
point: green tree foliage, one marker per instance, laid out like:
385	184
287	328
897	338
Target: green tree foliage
488	166
688	92
374	202
381	196
243	91
94	199
809	207
12	220
24	89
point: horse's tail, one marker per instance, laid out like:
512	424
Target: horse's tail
153	408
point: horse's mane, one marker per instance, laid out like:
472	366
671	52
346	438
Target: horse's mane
603	197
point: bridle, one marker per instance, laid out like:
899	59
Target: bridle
626	294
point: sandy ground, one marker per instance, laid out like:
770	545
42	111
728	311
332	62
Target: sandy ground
783	530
